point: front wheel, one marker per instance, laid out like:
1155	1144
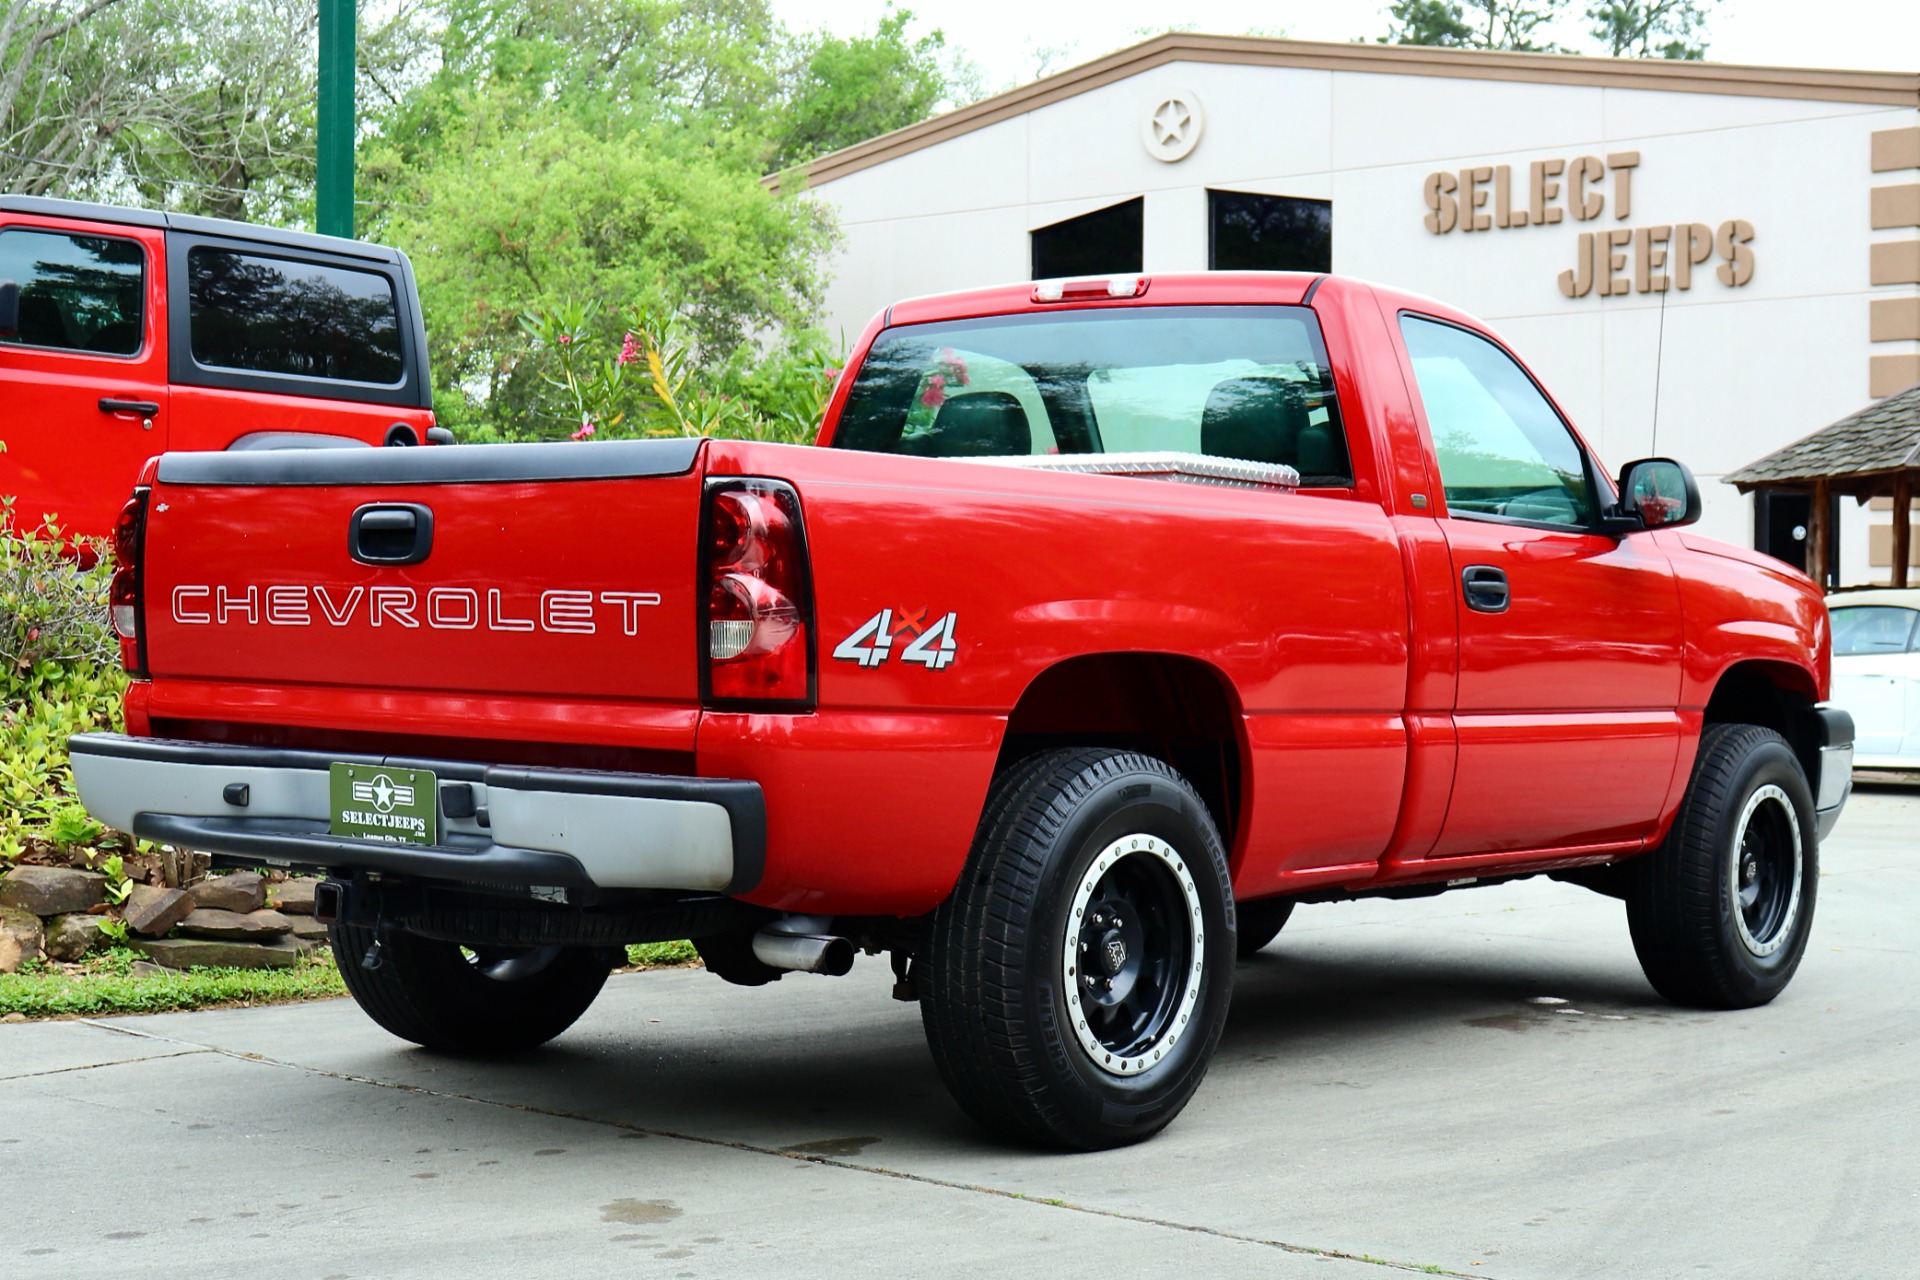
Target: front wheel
468	1000
1721	911
1079	974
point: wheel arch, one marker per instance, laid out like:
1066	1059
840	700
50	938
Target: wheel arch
1774	695
1177	709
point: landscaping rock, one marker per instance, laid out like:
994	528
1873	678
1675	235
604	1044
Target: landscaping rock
186	953
154	911
70	937
210	922
241	892
294	897
52	891
307	928
21	938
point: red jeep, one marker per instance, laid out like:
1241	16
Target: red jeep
126	333
1116	618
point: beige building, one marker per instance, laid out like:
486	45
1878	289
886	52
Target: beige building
1701	260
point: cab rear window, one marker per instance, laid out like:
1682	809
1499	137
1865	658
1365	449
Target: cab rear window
1250	383
261	314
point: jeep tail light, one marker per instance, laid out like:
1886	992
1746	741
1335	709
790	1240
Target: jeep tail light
757	623
129	541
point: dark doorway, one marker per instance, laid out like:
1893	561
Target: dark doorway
1106	242
1780	525
1246	232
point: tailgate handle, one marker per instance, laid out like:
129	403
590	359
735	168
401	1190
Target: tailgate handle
390	533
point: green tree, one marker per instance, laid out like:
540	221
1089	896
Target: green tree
1651	28
525	207
1473	24
845	91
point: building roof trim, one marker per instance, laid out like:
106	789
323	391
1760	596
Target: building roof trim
1875	88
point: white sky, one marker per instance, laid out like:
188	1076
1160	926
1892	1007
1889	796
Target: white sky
1009	40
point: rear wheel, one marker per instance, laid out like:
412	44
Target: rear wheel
1077	979
468	1000
1261	922
1721	911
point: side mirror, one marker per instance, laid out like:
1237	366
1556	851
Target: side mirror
1655	493
9	308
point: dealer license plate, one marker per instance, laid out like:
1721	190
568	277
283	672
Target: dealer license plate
379	802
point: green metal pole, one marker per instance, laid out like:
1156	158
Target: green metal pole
333	212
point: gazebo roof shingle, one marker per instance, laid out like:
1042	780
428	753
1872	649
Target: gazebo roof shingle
1881	438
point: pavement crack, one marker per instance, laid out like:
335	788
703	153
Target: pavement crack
734	1144
96	1066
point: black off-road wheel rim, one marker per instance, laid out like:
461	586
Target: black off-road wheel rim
1767	865
1133	954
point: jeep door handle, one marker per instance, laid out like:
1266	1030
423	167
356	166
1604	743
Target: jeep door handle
145	408
1486	588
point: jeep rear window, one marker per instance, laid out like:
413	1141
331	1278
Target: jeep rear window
1231	382
275	315
77	293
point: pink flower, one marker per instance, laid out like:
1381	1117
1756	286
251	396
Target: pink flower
629	351
936	393
565	338
33	633
585	432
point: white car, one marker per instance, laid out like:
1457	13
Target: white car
1876	674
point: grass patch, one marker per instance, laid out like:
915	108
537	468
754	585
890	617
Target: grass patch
661	955
105	984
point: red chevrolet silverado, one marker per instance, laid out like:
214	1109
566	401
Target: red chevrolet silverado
128	332
1110	620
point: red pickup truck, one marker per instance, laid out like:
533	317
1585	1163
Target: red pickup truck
125	333
1113	619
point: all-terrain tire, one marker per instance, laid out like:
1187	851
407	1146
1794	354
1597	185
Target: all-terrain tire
1260	923
1721	911
1084	855
474	1002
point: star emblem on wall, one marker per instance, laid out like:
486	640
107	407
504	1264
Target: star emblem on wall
1172	127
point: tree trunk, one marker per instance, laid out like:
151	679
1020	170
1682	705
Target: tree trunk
1902	531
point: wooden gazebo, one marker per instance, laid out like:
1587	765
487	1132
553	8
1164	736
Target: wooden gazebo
1874	453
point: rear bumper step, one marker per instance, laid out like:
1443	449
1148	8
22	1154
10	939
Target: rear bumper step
547	827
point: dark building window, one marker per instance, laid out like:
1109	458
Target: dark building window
1105	242
1268	233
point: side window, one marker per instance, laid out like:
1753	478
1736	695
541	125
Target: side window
77	293
275	315
1502	449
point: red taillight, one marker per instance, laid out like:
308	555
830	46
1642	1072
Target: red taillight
758	625
129	537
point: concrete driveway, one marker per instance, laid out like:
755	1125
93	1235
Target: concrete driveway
1480	1084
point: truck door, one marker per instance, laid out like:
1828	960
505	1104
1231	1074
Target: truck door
83	379
1569	638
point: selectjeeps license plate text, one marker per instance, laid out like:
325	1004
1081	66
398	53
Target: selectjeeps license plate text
379	802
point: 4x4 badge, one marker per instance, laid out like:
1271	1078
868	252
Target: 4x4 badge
932	645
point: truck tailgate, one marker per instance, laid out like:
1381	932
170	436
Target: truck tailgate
559	570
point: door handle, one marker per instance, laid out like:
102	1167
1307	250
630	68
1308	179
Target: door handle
390	533
1486	588
145	408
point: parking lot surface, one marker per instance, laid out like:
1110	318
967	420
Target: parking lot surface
1480	1084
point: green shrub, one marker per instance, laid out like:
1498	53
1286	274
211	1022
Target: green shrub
59	675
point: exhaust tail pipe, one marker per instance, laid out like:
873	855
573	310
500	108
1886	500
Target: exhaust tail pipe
798	943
